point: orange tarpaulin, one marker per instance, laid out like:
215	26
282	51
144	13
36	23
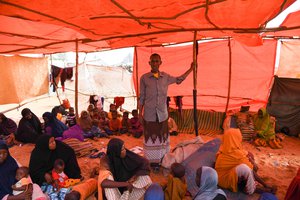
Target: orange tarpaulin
31	26
22	78
252	72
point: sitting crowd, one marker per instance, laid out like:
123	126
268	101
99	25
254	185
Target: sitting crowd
53	168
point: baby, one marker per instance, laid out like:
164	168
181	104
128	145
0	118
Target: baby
60	179
22	175
176	186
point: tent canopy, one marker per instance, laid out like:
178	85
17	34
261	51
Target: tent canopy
34	26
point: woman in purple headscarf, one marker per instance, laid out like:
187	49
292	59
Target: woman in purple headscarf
8	129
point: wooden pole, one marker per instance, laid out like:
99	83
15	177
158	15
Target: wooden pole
195	54
137	79
76	81
229	78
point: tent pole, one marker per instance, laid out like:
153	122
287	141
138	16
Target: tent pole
137	79
195	54
229	80
76	81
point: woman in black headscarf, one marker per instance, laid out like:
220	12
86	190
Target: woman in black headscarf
29	128
129	167
42	158
53	126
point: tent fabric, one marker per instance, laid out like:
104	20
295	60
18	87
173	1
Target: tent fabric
289	60
252	72
284	104
53	26
22	78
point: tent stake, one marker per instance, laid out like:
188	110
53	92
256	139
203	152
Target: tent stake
195	54
76	81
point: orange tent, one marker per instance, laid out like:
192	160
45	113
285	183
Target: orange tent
34	26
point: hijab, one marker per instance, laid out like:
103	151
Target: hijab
7	126
85	121
208	185
7	172
42	159
57	127
29	129
232	144
124	168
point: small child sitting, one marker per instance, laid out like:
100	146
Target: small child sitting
125	123
60	179
136	125
115	123
22	176
176	186
71	117
104	123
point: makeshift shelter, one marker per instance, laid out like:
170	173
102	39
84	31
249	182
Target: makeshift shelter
231	72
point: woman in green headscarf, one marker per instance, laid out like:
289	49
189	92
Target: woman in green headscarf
265	129
264	125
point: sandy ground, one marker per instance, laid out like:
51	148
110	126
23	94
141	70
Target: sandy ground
276	166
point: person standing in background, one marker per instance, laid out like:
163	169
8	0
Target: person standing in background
153	109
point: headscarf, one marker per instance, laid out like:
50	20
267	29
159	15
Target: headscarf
208	185
293	192
42	159
29	129
85	121
230	155
7	173
267	196
124	168
7	126
57	127
263	126
154	192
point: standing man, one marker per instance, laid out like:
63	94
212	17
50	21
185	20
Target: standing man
153	109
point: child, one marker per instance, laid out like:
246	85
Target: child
136	126
176	186
71	117
60	179
104	124
125	123
24	184
172	126
22	176
115	123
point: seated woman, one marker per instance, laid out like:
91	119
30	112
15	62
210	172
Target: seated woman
207	181
293	192
236	167
43	156
265	128
127	170
29	128
8	128
53	126
8	169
